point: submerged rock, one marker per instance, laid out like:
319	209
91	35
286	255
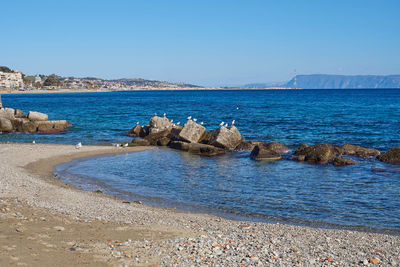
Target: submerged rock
197	148
276	147
261	152
391	156
227	138
318	154
192	132
343	162
359	151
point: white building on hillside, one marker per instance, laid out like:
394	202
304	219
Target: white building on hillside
11	80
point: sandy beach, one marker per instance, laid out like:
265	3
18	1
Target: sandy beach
45	222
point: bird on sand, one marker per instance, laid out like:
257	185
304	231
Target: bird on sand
33	142
78	145
125	145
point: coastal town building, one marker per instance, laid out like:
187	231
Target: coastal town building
11	79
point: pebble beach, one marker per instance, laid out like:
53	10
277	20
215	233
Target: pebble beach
45	222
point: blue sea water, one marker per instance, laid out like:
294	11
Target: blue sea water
361	196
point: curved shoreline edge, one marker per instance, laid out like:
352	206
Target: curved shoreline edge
154	234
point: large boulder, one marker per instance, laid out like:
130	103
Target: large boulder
154	137
318	154
10	112
29	127
359	151
19	114
164	141
52	126
6	113
227	138
260	152
139	142
6	125
192	132
339	161
158	124
37	116
135	131
276	147
247	145
391	156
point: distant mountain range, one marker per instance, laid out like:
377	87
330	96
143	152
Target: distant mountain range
327	81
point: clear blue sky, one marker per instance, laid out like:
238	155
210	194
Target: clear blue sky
202	42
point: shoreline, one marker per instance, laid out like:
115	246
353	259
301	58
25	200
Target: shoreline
27	188
187	208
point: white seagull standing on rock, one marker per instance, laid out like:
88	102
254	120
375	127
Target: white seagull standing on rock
221	124
178	123
194	120
137	123
165	115
233	122
78	145
189	118
201	123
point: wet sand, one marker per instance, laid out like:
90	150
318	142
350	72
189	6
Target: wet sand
45	222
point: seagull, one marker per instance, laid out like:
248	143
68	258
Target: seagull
125	145
189	118
201	123
194	120
165	115
137	123
78	145
226	125
178	123
233	122
172	121
33	142
221	124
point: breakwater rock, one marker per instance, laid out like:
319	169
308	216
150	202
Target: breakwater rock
15	120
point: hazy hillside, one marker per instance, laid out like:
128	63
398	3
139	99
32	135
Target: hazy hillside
325	81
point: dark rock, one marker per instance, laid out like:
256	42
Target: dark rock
135	131
205	150
192	132
260	152
139	142
207	137
20	114
343	162
359	151
145	131
226	138
174	134
6	125
179	145
164	141
154	137
247	145
391	156
385	170
318	154
276	147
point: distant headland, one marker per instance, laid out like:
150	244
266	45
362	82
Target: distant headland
14	81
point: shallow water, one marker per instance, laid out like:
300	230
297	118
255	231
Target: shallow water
289	191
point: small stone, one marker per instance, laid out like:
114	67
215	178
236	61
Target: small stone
373	260
59	228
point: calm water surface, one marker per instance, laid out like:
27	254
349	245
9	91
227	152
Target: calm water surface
232	184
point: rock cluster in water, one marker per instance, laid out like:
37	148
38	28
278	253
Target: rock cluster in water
194	138
15	120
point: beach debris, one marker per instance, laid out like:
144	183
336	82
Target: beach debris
78	145
98	191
